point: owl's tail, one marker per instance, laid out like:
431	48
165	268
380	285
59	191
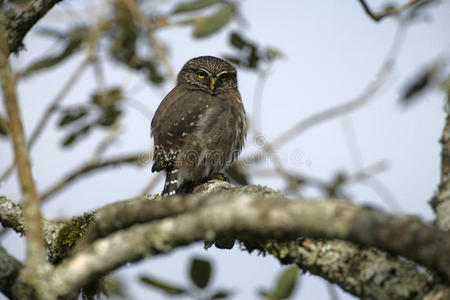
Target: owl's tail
171	184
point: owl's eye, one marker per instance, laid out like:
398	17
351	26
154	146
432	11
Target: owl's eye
201	74
223	77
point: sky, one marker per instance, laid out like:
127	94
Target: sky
331	51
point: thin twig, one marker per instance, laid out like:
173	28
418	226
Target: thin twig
338	110
32	214
388	11
54	104
90	167
151	184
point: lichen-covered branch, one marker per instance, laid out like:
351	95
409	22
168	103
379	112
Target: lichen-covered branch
18	25
259	214
441	200
367	273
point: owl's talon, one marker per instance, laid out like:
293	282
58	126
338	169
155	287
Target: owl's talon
220	176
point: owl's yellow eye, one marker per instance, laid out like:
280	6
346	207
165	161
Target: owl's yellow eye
201	75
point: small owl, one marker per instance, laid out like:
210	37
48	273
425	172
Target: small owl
200	126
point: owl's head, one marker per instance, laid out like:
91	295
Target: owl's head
208	73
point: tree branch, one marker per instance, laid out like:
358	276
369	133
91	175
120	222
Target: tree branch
91	167
441	200
250	213
18	25
366	273
388	11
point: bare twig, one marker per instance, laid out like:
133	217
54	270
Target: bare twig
150	185
388	11
49	111
138	159
54	104
32	214
338	110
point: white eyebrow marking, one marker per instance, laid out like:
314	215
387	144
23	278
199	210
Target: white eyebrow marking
204	70
224	72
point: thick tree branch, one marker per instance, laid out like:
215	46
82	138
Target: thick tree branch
254	213
366	273
18	25
388	11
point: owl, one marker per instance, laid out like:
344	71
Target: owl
200	126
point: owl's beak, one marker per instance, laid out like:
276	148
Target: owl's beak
212	84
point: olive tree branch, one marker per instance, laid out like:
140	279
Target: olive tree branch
251	212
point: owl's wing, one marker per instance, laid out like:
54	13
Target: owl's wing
174	121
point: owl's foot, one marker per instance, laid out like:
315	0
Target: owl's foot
219	176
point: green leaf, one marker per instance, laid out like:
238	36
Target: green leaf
4	126
108	98
169	288
193	5
209	25
109	116
200	272
286	283
221	294
74	136
236	173
72	115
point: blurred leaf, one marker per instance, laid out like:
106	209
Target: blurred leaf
72	115
209	25
239	42
418	84
114	287
169	288
193	5
285	285
221	294
4	126
74	136
105	99
109	116
200	272
249	55
50	32
73	43
236	173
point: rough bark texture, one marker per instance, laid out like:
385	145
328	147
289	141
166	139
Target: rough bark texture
441	201
18	24
262	219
